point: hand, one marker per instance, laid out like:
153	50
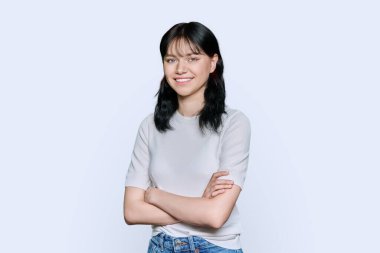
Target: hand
149	194
217	186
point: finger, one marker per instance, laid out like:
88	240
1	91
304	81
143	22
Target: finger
214	184
215	193
219	174
221	186
224	181
207	195
222	172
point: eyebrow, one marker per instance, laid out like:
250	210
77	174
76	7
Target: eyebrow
189	54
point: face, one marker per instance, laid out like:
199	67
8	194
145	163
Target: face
187	72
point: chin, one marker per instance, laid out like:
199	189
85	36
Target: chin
182	94
181	91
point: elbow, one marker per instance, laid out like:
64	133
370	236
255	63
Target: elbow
129	217
128	221
217	223
216	220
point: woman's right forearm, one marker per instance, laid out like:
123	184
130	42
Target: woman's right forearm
137	211
143	213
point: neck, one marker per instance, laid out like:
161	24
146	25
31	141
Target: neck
188	107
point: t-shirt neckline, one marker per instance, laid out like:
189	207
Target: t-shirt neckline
182	118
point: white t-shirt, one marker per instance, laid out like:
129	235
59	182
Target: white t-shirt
182	161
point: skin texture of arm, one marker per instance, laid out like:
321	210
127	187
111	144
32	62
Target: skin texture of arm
137	211
204	212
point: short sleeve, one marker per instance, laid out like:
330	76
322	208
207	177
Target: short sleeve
235	144
137	174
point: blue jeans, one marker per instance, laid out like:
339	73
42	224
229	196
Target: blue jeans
163	243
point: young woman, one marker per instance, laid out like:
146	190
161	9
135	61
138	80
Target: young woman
190	156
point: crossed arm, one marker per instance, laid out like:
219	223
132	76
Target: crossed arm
158	207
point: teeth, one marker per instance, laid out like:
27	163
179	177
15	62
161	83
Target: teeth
183	80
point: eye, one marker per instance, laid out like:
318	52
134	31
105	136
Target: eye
170	60
192	59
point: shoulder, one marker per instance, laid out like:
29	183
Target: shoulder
147	120
236	125
235	117
146	123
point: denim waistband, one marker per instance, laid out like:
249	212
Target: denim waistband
178	244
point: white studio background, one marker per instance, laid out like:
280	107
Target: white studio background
77	78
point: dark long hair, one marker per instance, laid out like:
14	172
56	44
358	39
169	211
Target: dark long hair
200	37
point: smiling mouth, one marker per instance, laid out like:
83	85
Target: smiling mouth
182	80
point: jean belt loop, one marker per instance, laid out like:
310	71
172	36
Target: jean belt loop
191	243
162	241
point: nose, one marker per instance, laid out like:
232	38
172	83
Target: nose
181	67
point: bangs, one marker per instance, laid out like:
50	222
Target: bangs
179	43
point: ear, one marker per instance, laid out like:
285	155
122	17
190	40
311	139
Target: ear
214	60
